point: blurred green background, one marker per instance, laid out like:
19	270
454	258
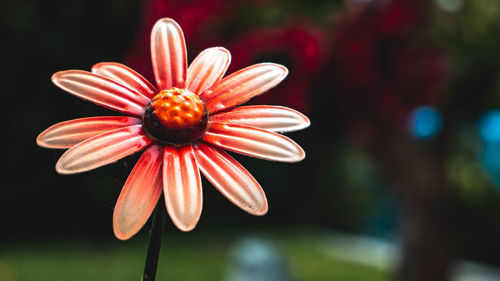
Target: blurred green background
403	150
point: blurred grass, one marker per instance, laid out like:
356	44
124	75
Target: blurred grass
186	257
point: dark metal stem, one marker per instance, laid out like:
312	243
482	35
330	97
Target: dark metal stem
156	234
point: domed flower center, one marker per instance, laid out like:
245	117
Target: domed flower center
175	116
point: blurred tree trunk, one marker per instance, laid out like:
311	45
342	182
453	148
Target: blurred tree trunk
415	171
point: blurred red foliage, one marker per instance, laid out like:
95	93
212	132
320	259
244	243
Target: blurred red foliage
299	46
381	63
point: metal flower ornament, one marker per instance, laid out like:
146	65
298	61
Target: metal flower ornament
184	124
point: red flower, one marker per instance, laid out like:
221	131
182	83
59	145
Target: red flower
183	124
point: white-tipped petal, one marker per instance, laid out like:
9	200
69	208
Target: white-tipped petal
126	76
243	85
267	117
102	149
182	187
207	69
68	133
139	195
254	142
101	91
168	54
231	179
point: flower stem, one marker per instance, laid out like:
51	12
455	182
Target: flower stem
156	233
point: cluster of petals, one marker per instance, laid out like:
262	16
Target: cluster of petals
175	170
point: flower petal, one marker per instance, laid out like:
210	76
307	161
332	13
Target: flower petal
68	133
168	54
231	179
139	195
254	142
102	149
182	186
267	117
101	91
243	85
126	77
207	68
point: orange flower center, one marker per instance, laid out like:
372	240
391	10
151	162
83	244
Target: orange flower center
175	116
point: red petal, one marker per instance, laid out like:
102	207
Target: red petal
102	149
254	142
267	117
182	187
207	69
243	85
231	179
125	76
139	195
101	91
68	133
168	54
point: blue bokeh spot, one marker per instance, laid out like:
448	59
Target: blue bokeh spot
489	131
425	122
489	126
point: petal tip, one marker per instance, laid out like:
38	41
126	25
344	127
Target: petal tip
57	76
254	208
124	228
40	141
95	67
226	52
43	140
63	167
166	21
307	121
62	170
300	156
281	68
122	235
222	50
262	211
284	69
185	224
185	227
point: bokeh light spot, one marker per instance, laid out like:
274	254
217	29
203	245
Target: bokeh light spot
450	5
489	131
489	126
425	122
